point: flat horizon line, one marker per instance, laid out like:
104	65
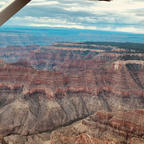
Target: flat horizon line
64	28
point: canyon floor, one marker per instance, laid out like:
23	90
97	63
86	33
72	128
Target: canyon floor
72	93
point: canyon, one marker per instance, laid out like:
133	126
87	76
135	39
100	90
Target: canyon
72	93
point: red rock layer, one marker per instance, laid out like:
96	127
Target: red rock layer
100	128
104	128
57	86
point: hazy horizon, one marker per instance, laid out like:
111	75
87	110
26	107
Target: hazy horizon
46	36
117	15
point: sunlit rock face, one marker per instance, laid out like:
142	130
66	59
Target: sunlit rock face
104	128
100	128
45	88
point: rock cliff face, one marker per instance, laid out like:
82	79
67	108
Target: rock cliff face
104	128
63	84
100	128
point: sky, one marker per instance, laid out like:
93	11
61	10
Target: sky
118	15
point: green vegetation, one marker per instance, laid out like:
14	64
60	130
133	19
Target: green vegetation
131	47
131	57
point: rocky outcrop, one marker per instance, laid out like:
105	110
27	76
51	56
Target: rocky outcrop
104	128
57	87
100	128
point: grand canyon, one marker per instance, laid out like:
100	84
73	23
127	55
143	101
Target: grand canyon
72	93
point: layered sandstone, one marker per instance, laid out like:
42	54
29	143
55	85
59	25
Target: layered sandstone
64	83
100	128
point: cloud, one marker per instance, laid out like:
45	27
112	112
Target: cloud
118	15
43	3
